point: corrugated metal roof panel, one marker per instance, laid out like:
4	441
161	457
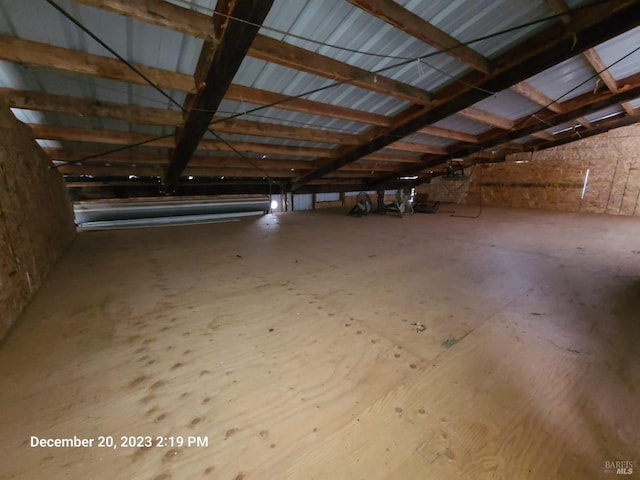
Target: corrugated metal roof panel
134	40
469	21
508	104
464	125
563	127
337	29
270	141
286	117
429	140
566	80
275	78
605	113
619	47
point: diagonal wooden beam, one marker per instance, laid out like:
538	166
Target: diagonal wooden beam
26	52
160	13
487	118
234	45
47	102
451	134
526	90
405	146
43	55
25	99
265	48
600	127
584	122
114	137
598	65
218	23
544	135
241	93
552	45
591	55
523	127
274	51
629	108
412	24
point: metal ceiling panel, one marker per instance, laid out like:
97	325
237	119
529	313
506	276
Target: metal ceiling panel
287	117
605	113
336	29
275	78
470	21
429	140
460	124
622	54
566	80
270	141
508	104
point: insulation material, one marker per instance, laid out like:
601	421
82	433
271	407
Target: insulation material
36	220
554	179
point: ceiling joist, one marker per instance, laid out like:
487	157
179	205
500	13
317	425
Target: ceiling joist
412	24
545	49
233	46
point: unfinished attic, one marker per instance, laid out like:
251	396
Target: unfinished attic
319	239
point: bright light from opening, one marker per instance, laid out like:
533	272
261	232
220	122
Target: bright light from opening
131	177
274	204
413	177
522	161
586	179
190	177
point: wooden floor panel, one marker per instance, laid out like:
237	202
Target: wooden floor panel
294	344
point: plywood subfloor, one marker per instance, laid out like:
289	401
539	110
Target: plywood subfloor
289	343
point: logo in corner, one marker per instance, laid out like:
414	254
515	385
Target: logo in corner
624	467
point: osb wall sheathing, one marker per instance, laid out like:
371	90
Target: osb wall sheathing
36	218
554	179
446	189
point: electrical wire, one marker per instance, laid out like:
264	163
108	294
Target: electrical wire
555	16
288	98
112	51
595	75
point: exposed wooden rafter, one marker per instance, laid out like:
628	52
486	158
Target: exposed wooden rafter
234	44
25	99
113	137
592	56
487	118
526	90
450	134
46	102
274	51
544	135
412	24
37	54
541	51
598	65
267	48
525	126
206	161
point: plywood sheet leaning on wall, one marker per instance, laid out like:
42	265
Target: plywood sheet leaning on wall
36	218
598	174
